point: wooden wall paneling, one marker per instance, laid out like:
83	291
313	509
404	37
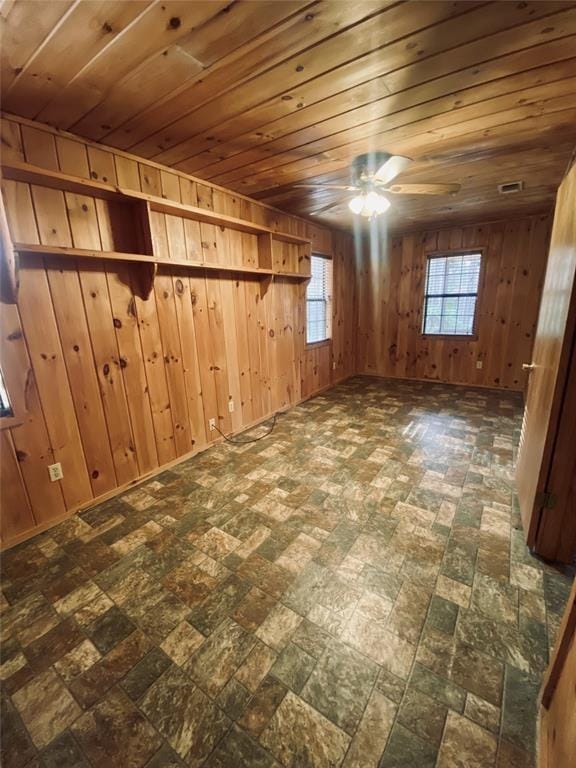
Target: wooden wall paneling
145	310
11	141
249	246
190	363
172	356
109	368
242	333
150	181
127	173
206	360
170	184
39	147
102	167
72	157
132	362
51	216
261	301
16	510
219	350
251	290
31	439
159	235
224	252
48	363
66	297
208	243
192	234
235	364
175	235
83	221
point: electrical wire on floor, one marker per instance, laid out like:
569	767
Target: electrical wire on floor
252	439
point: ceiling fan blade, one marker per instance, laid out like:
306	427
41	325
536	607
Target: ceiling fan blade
346	187
327	208
423	189
391	168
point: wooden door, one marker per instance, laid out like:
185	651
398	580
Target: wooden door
550	361
557	732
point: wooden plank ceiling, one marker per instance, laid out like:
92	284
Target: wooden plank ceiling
258	96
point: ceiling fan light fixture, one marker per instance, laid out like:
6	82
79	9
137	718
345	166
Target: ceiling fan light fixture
369	204
356	204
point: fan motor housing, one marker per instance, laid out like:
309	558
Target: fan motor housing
366	165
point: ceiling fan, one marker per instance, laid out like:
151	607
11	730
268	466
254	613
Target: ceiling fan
372	175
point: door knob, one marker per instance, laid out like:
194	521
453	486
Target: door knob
528	366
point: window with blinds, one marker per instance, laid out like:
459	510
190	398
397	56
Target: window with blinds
5	407
319	300
451	294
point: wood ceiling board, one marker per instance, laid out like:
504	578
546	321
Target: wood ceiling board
405	140
103	104
400	63
506	91
350	57
24	29
83	33
160	26
299	30
445	93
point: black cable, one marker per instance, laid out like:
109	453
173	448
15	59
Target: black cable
251	440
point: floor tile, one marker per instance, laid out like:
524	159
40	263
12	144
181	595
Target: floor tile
115	733
184	715
46	707
340	685
466	744
299	736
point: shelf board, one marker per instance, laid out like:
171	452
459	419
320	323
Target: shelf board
161	205
82	253
297	275
288	238
31	174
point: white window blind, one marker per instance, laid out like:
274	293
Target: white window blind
319	300
451	294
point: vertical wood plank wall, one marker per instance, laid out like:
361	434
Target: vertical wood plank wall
390	288
116	386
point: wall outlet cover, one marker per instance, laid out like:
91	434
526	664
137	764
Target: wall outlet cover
479	364
231	406
55	472
212	424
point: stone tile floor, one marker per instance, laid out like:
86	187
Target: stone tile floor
353	590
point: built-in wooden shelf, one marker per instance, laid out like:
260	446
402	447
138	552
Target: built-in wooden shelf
149	264
31	174
127	217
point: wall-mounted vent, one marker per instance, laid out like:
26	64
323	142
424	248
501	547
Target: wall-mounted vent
510	187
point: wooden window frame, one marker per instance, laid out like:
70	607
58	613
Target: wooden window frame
447	254
329	304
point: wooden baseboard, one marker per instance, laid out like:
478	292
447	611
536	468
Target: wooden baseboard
439	381
45	526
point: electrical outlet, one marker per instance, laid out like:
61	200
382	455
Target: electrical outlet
333	365
212	424
479	364
231	406
55	472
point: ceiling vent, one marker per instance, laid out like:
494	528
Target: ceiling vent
510	187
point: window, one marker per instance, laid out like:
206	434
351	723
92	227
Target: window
319	300
5	407
451	293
